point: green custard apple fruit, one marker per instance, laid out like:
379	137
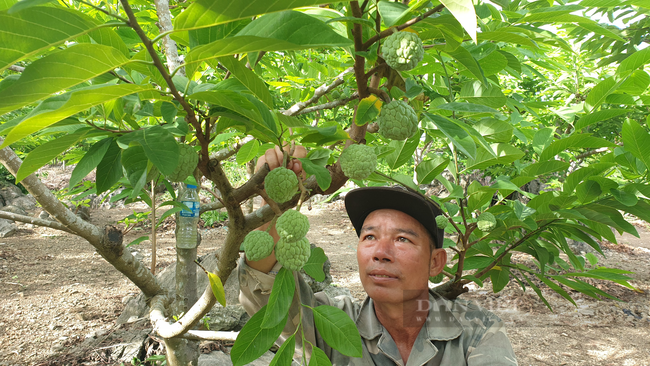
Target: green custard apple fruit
358	161
188	159
292	226
258	245
441	222
293	255
397	121
486	222
402	50
437	278
281	184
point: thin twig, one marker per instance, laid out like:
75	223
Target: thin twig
380	93
319	92
330	105
274	206
104	11
407	24
16	68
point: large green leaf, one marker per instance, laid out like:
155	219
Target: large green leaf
59	71
249	79
89	161
206	13
161	148
42	154
31	31
60	107
247	152
491	96
314	265
403	151
594	117
253	340
573	142
109	170
281	297
428	170
635	84
633	62
463	11
289	30
466	59
509	37
338	330
637	141
544	167
284	356
392	13
505	154
599	93
323	177
319	358
457	134
494	130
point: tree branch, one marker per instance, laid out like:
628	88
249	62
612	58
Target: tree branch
34	221
319	92
16	68
165	25
407	24
330	105
381	94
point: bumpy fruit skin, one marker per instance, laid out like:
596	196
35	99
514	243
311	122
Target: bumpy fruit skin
486	222
441	222
358	161
281	184
403	50
293	255
187	161
437	279
397	121
292	226
258	245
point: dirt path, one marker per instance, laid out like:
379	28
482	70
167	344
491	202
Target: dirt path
55	291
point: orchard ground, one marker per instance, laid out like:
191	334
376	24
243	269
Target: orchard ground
56	291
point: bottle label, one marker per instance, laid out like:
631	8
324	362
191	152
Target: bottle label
194	206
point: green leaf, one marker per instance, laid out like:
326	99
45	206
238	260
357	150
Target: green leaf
169	212
367	110
633	62
637	141
42	154
458	136
428	170
500	278
463	11
553	286
573	142
466	59
206	13
109	170
494	130
635	84
138	241
26	4
289	121
60	107
253	340
466	107
217	288
284	356
392	13
248	152
323	177
249	79
602	115
403	151
314	266
89	161
272	32
509	37
319	358
338	330
537	291
161	148
505	154
545	167
599	93
59	71
281	297
625	198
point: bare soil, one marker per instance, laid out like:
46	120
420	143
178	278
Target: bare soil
55	291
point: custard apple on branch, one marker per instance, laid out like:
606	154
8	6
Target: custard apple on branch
258	245
187	162
486	222
403	50
397	121
281	184
293	255
292	226
358	161
441	222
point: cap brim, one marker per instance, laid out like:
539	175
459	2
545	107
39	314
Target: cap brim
360	202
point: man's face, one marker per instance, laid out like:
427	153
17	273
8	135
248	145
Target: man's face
394	256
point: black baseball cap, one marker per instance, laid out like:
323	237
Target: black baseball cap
360	202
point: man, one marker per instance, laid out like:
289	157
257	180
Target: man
401	322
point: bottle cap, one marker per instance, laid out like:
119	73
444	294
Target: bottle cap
191	186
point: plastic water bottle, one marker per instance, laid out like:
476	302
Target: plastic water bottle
186	232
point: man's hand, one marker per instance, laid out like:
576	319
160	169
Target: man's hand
273	157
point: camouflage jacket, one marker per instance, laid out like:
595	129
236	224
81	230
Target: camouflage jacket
455	333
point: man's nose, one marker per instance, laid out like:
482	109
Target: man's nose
383	250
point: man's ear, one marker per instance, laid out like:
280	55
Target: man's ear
438	261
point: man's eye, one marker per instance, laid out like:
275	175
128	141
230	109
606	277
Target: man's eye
403	239
369	237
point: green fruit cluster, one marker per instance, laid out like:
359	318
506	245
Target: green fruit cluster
281	184
397	121
437	278
293	255
292	226
358	161
441	222
187	162
403	50
486	222
258	245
